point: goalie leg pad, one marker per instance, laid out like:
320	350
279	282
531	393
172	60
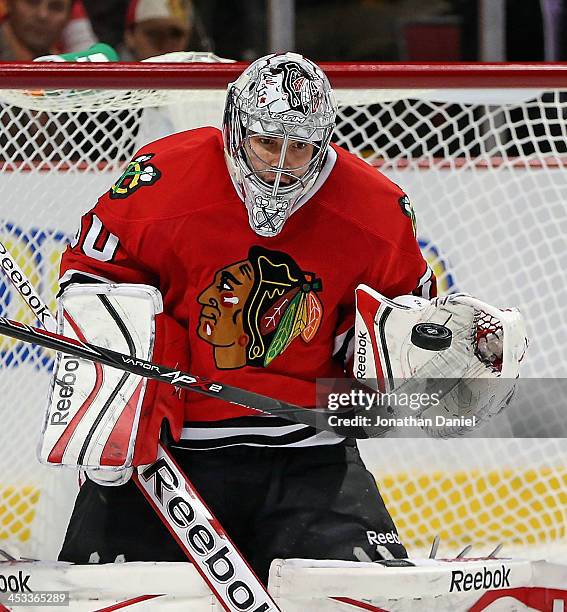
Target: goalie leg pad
99	417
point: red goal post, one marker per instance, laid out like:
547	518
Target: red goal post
479	148
343	75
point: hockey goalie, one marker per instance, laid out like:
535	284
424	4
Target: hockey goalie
255	256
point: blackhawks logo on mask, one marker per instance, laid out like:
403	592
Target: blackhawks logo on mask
138	174
254	309
288	92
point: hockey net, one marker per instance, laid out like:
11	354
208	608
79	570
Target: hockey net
485	169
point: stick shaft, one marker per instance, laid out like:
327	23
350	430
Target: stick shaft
26	290
148	369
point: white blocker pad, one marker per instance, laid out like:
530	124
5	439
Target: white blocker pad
93	411
477	348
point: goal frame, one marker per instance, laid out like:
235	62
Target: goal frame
404	77
362	75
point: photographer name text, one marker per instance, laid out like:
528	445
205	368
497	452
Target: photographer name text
362	420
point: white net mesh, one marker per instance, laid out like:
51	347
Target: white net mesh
486	173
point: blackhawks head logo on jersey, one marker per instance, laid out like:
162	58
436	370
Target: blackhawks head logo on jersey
255	308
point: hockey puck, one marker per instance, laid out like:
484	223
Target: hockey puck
431	336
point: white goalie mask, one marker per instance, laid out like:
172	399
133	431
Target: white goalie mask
278	122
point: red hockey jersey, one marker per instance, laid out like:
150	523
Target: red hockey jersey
265	314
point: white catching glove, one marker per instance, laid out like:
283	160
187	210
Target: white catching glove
497	344
469	349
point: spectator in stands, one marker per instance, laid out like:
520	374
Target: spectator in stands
155	27
108	18
32	28
78	34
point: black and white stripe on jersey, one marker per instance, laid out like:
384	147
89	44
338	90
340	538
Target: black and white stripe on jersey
79	277
252	431
425	283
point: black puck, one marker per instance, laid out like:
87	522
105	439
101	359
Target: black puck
431	336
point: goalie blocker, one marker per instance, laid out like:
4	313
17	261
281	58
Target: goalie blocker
100	418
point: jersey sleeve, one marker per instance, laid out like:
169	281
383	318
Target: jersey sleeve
100	254
396	267
113	237
405	274
403	270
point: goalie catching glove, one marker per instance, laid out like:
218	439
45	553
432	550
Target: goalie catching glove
100	418
469	349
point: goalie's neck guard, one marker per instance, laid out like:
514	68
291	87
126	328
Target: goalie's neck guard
287	100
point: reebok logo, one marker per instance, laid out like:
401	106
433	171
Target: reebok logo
14	583
361	342
221	568
22	285
391	537
483	579
68	366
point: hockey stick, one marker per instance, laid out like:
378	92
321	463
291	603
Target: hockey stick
316	418
177	378
167	489
21	283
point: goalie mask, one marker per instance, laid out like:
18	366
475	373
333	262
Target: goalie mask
278	121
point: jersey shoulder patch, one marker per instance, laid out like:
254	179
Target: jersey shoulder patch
140	172
167	177
408	211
